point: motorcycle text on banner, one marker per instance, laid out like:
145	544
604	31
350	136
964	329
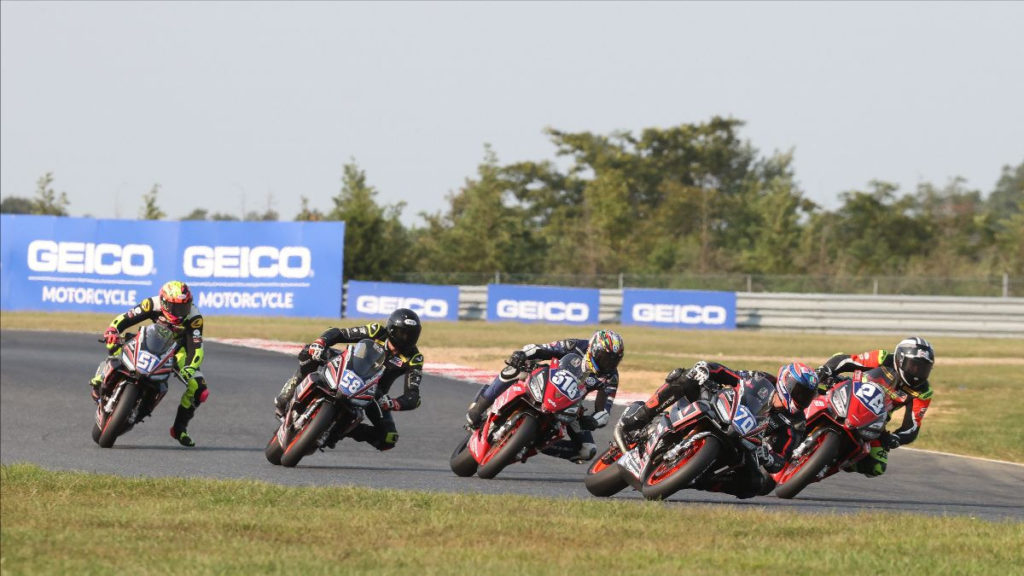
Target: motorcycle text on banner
529	416
134	382
840	427
329	403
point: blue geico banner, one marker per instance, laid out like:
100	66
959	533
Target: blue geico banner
246	268
377	299
511	303
679	308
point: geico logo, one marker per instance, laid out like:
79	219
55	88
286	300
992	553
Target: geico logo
89	258
430	307
679	314
539	310
247	262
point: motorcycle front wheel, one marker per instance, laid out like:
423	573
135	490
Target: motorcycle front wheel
273	451
304	441
820	458
603	477
505	452
115	424
462	461
667	479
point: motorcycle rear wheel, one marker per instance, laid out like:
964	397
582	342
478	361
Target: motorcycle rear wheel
604	479
273	451
822	458
115	425
520	437
304	441
682	474
462	461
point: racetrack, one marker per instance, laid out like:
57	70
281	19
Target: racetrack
46	417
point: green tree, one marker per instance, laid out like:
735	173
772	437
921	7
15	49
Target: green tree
376	242
223	217
483	231
16	205
150	210
47	201
307	214
196	214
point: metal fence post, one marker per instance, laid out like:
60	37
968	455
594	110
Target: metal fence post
1006	285
749	284
875	292
621	280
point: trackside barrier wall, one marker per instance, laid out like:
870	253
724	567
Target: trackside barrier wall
932	315
245	268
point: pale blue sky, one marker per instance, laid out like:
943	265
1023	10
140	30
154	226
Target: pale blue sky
216	101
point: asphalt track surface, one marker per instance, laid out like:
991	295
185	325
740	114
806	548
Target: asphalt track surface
46	418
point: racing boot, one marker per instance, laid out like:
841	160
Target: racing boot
180	426
476	410
281	402
586	453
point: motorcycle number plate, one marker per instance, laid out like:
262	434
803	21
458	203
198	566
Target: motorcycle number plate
631	462
147	362
871	395
744	420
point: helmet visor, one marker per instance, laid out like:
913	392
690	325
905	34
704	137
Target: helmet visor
176	311
916	371
802	396
404	337
604	361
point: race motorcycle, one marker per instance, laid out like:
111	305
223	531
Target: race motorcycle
840	427
135	380
529	416
328	403
693	444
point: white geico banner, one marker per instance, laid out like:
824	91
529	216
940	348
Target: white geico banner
379	299
251	268
513	303
679	308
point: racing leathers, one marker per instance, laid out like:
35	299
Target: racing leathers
877	366
580	446
381	433
782	433
189	359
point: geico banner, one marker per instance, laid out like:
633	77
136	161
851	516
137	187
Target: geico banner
379	299
245	268
511	303
679	308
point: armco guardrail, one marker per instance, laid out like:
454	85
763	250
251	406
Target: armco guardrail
934	315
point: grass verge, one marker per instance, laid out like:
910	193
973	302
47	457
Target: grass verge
76	523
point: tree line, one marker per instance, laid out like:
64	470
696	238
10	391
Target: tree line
689	199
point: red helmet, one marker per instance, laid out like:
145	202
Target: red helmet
175	301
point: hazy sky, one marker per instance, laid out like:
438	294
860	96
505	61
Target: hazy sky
220	102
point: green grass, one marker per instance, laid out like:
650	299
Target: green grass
74	523
977	381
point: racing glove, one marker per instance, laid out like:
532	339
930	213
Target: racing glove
316	349
825	376
889	441
387	403
699	373
111	336
517	360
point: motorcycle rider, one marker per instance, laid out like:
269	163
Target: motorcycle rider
601	356
784	428
398	336
904	376
173	309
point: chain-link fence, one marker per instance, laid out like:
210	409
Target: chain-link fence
991	286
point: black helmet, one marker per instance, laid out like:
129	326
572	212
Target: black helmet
913	360
403	329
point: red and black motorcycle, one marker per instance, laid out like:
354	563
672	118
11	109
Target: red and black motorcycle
134	382
529	416
840	427
703	441
328	403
